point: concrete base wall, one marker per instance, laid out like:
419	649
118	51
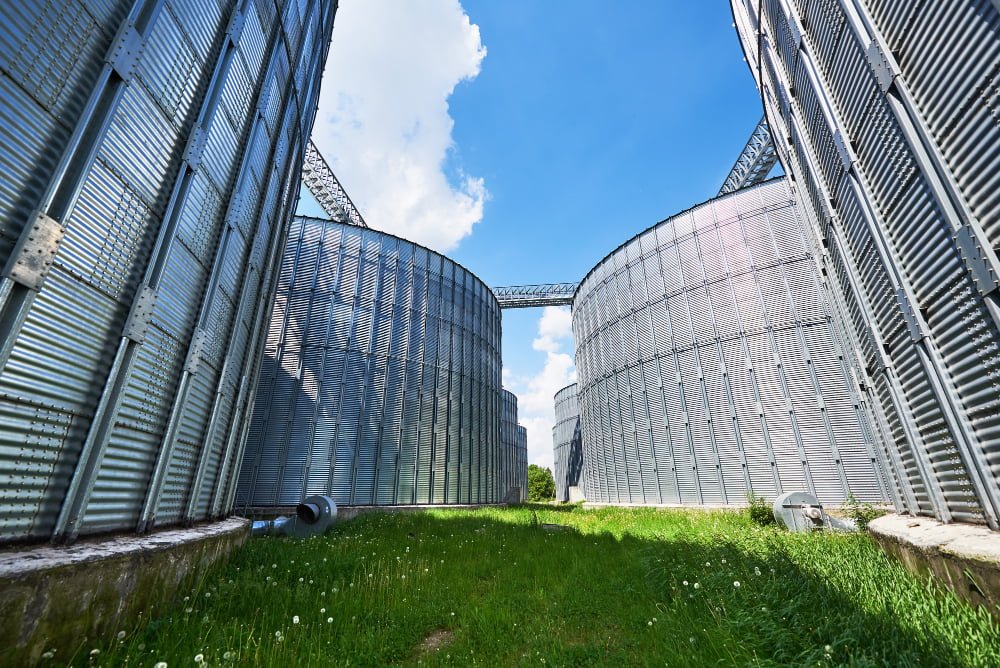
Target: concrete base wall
963	557
58	598
345	513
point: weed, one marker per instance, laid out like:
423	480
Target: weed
760	510
862	513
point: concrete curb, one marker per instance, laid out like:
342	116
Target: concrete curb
58	598
963	557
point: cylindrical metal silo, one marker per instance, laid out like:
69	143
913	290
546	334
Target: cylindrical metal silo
521	464
151	158
508	444
567	442
381	380
708	367
885	115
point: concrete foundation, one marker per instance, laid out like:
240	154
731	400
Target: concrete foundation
345	513
59	598
963	557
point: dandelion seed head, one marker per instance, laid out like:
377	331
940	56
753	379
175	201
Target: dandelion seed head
329	620
295	619
736	583
697	586
160	664
121	634
708	563
199	658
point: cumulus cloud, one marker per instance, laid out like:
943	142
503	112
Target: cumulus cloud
536	410
383	121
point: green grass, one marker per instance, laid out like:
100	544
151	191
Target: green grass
619	587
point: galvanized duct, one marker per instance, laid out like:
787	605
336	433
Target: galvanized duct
567	442
885	115
381	378
151	156
708	365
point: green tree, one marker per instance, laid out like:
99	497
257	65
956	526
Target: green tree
541	484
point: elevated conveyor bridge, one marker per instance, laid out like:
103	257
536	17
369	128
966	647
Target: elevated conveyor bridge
754	164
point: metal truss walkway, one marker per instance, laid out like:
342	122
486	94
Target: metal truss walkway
323	184
528	296
755	161
754	164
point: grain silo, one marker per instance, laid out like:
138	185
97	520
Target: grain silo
381	378
567	444
708	367
151	154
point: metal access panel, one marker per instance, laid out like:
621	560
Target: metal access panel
567	442
887	114
708	367
521	464
380	377
143	203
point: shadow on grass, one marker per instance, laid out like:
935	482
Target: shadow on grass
611	591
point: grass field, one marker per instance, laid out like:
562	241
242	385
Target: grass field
616	587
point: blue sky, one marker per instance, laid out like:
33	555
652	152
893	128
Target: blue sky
527	139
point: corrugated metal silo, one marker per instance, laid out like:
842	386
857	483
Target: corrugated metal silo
521	464
708	366
381	380
885	113
508	445
151	155
567	442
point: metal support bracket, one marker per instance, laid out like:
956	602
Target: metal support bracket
197	348
846	159
137	325
195	147
35	252
236	26
884	71
912	324
978	265
125	53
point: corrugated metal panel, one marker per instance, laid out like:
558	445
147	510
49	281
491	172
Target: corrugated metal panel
375	364
899	101
721	398
136	413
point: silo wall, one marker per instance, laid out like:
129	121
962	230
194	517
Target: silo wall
151	155
567	442
708	367
885	115
381	377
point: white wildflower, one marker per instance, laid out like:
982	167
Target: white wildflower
697	586
95	652
736	583
685	583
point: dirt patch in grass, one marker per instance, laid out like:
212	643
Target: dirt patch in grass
435	641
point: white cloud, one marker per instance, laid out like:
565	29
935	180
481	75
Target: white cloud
383	121
536	409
